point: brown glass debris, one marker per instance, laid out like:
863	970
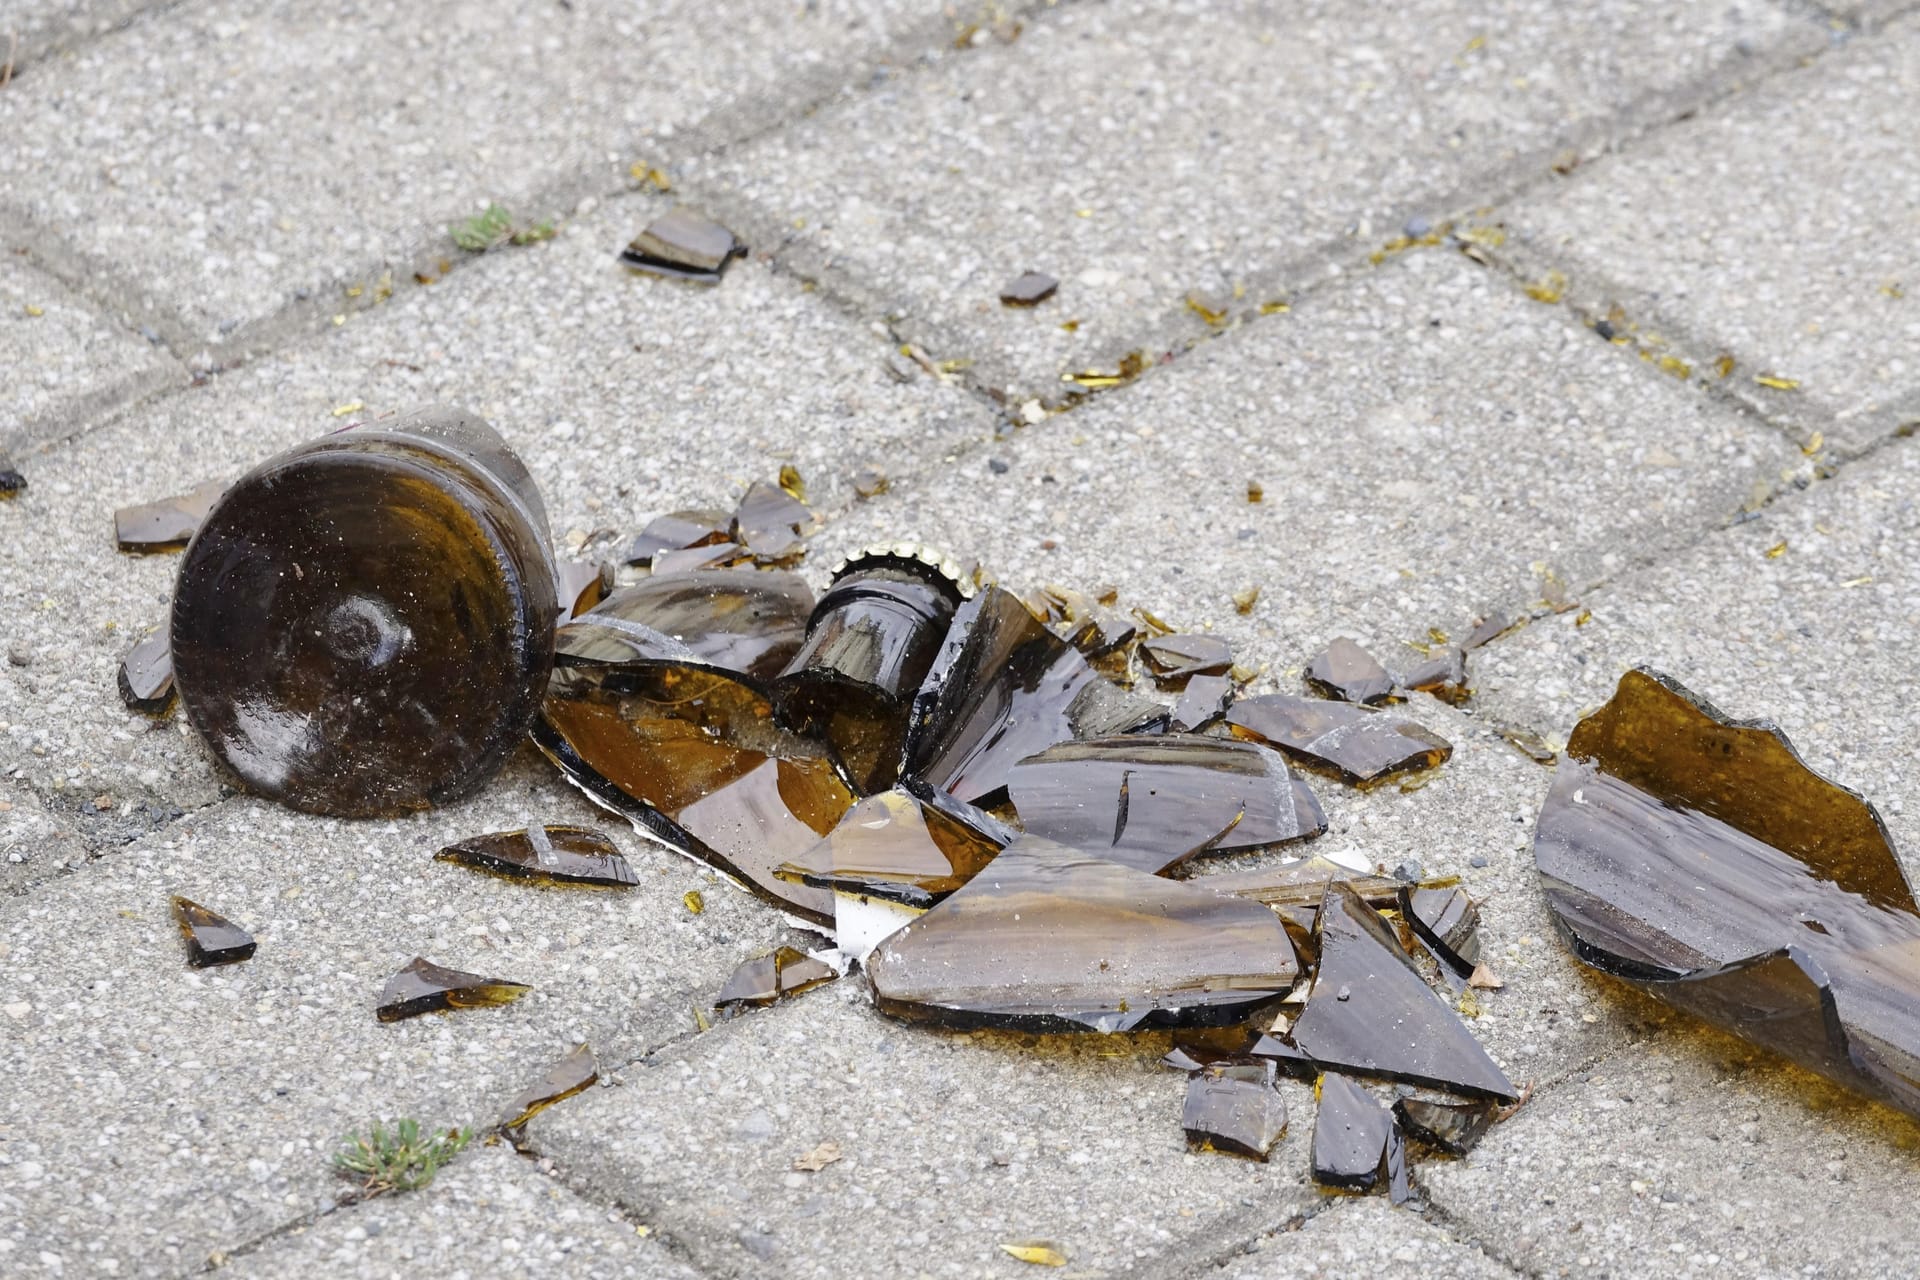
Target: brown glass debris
12	483
1527	743
575	1073
1003	688
1234	1107
547	855
425	987
1699	859
1357	1146
1151	801
1443	674
1347	672
1488	629
870	482
1302	882
212	939
146	675
1028	290
1047	938
736	622
719	555
770	523
682	245
1452	1127
762	981
1174	658
680	531
168	524
364	624
1448	921
582	585
1356	744
897	847
1202	702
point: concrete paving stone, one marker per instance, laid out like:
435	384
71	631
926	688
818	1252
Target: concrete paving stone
1429	440
489	1214
626	396
1695	1156
224	156
34	29
1138	151
1776	228
35	841
1365	1236
177	1113
65	362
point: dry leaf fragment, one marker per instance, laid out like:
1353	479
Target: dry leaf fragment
1039	1252
818	1158
1485	979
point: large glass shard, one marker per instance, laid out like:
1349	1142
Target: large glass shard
146	674
572	1074
1302	882
168	524
1174	658
425	987
741	622
1371	1013
1448	921
1356	1144
547	855
1048	938
1345	671
1149	802
693	758
769	978
1356	744
679	531
895	847
1202	702
212	939
1452	1127
1234	1107
770	522
1698	858
682	245
1003	688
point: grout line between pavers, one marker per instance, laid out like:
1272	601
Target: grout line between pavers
614	1205
68	37
99	850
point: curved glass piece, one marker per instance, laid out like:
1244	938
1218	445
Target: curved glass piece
680	531
896	847
425	987
167	524
1173	658
766	979
743	622
1355	744
146	675
572	1074
1234	1107
1453	1127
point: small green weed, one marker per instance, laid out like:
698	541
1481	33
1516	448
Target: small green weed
395	1157
494	227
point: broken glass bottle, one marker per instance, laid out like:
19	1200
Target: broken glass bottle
545	855
1175	658
766	979
363	625
1048	938
1453	1127
1202	702
212	939
1701	860
425	987
575	1073
897	847
682	245
168	524
146	675
738	622
1234	1107
1348	673
1357	1146
1028	289
1356	744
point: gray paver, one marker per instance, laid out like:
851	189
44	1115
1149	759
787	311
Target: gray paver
1141	150
34	29
490	1214
222	156
1364	1236
1777	228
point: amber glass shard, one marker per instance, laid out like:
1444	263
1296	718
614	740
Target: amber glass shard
166	525
12	483
146	675
1357	1146
740	622
1151	801
678	531
1203	701
1349	673
1452	1127
1356	744
770	522
719	555
212	939
895	847
1527	743
549	855
1234	1107
1698	858
682	245
1102	633
1028	289
1443	674
1047	938
1302	882
1003	688
582	584
870	482
425	987
766	979
1176	657
1487	630
572	1074
1448	921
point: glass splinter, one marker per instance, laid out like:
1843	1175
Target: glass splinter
719	555
682	245
548	855
770	522
1234	1107
1448	921
770	978
166	525
212	939
572	1074
1698	858
1347	672
146	674
1371	1013
1302	882
1029	289
1452	1127
1203	701
895	847
1356	744
1149	802
1443	674
425	987
1048	938
1174	658
1356	1143
680	531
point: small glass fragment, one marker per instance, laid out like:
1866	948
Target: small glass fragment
1176	657
894	846
166	525
1448	921
12	483
765	979
1443	674
545	855
792	483
682	245
1345	671
1038	1252
771	523
1775	383
1029	289
146	675
870	482
1453	1127
1256	493
1488	629
582	584
679	531
1527	743
212	939
1357	1145
425	987
1051	939
1131	366
1202	702
1245	599
1359	745
573	1074
1234	1107
719	555
694	901
1151	801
